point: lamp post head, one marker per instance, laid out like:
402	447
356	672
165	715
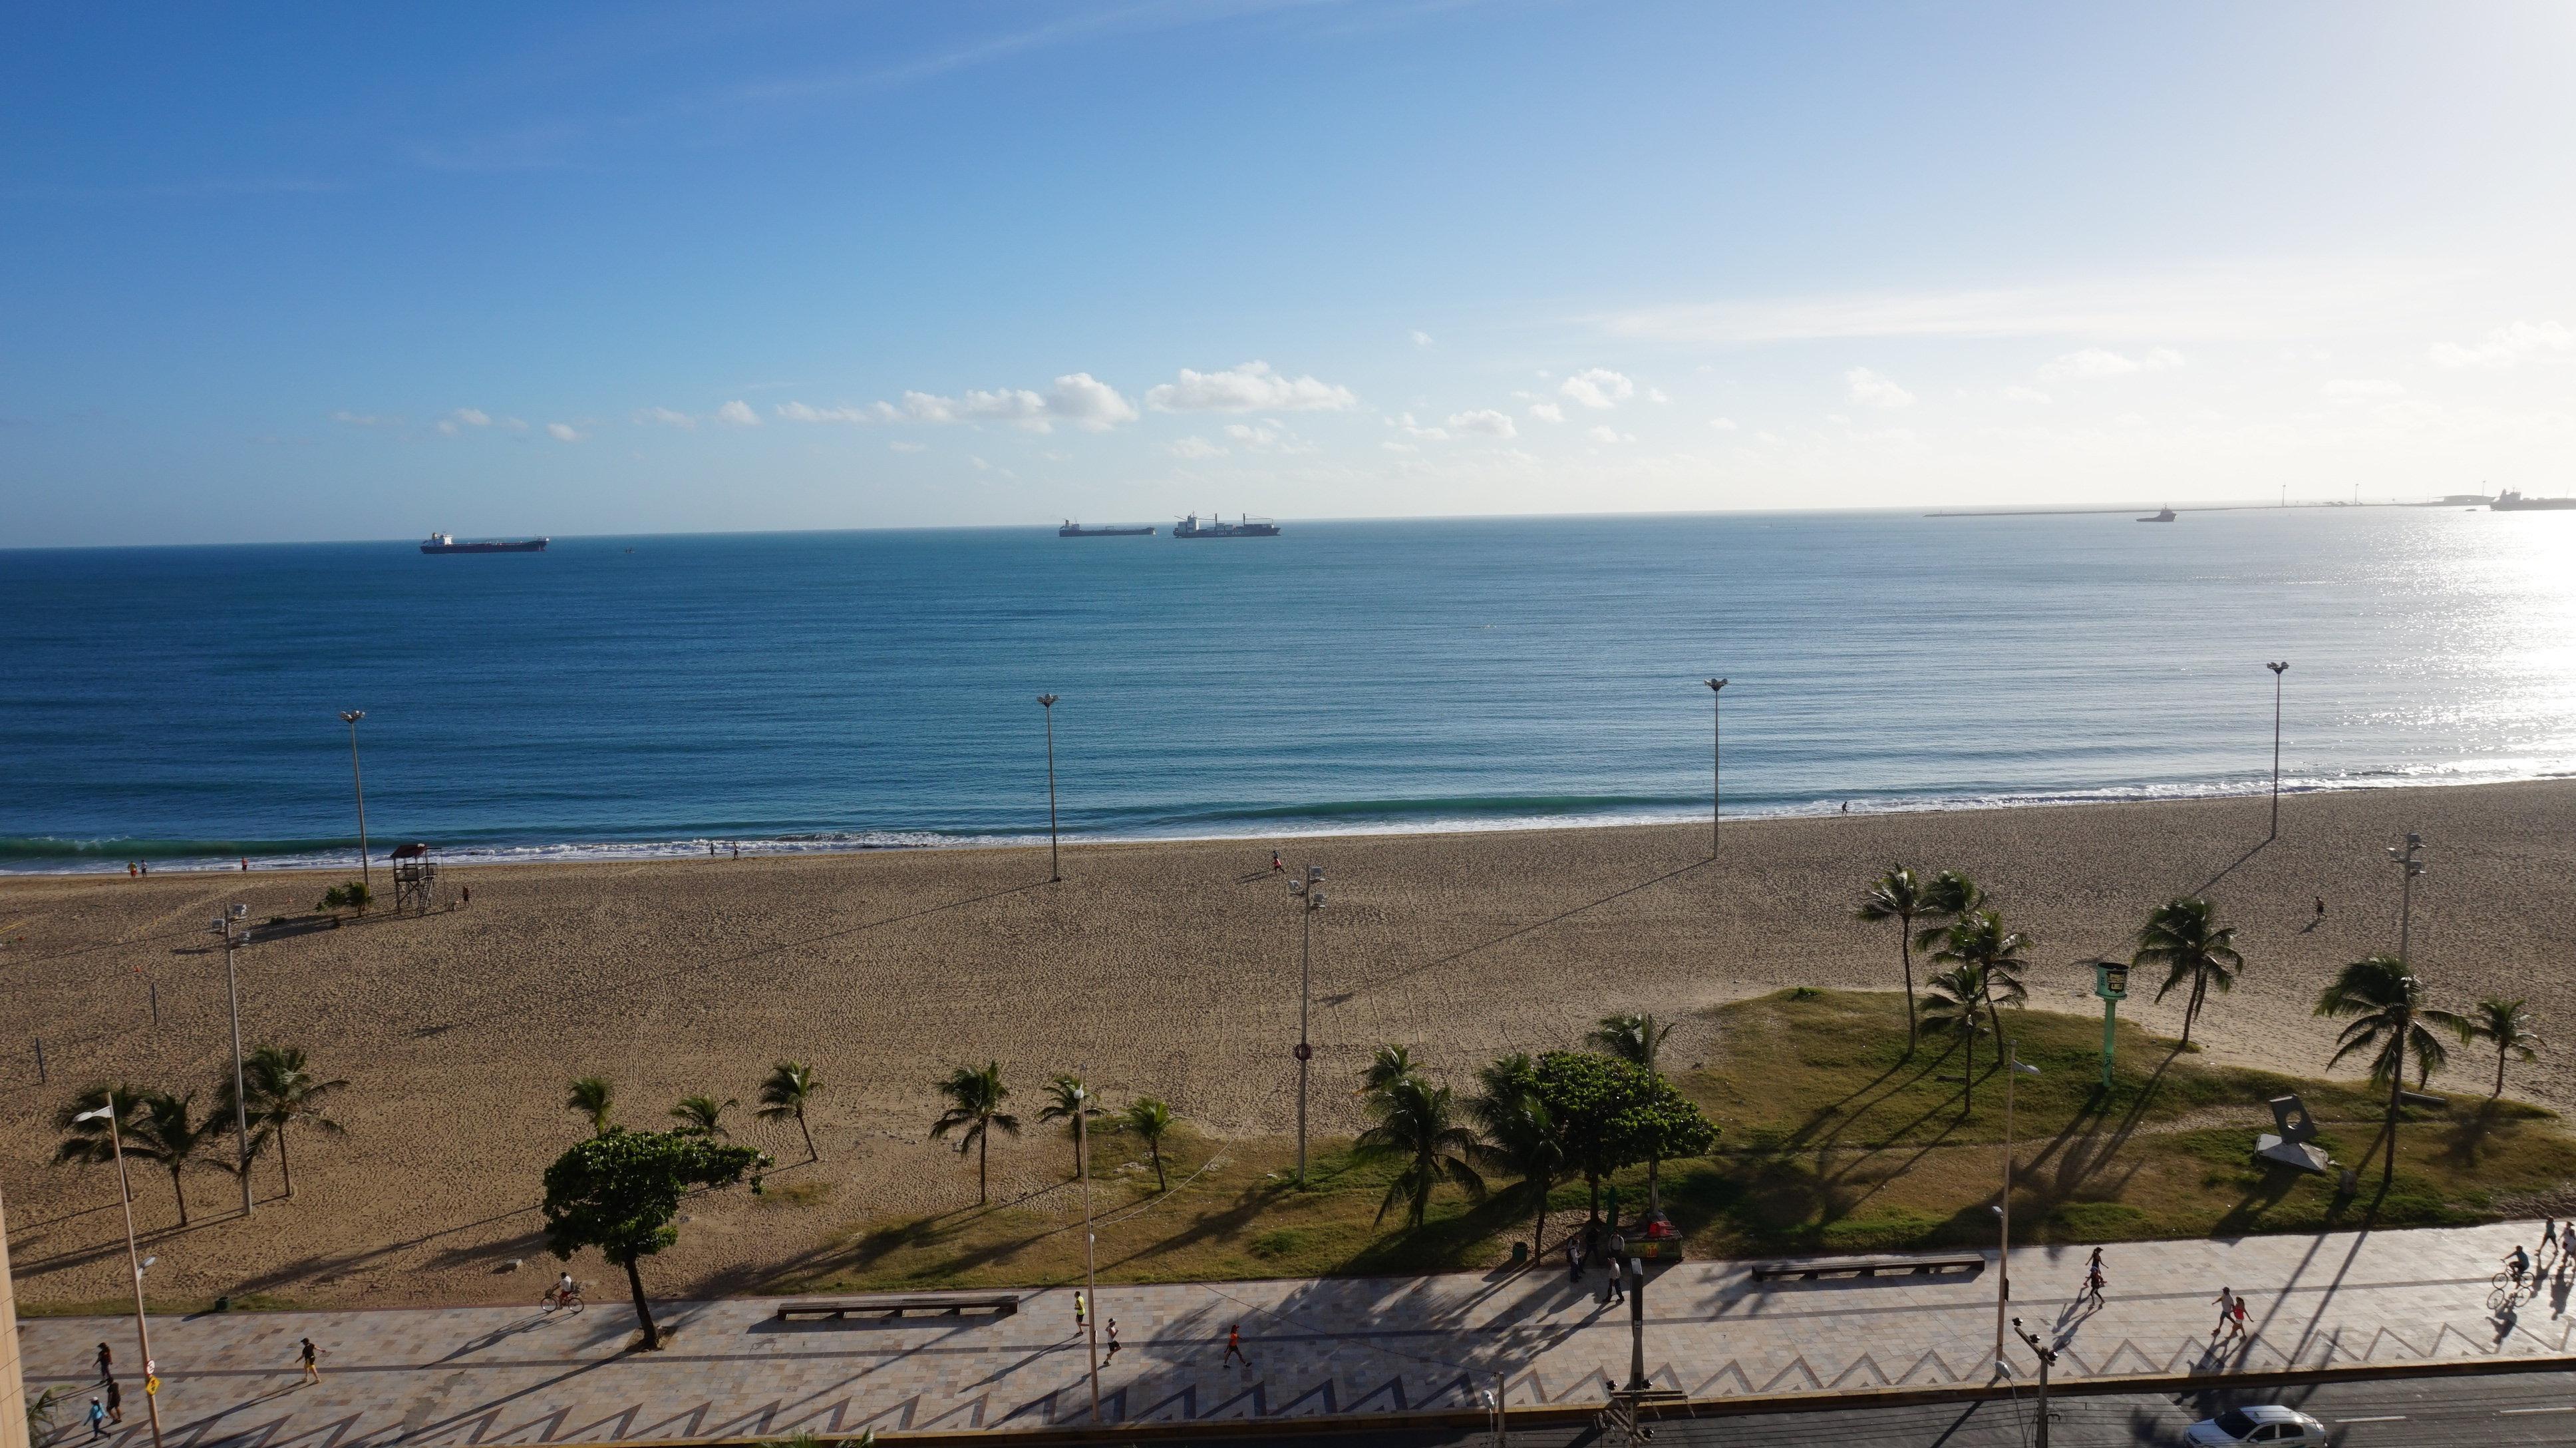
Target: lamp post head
352	716
93	1114
2278	668
1716	684
1046	701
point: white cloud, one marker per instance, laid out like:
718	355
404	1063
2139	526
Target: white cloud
1656	395
1422	339
1194	447
1722	424
1077	397
2354	389
665	416
1547	412
1252	387
929	407
1265	437
1608	435
366	419
2102	362
1391	445
1484	421
806	412
903	446
1872	390
2505	346
2026	394
738	413
563	432
471	417
1599	387
1412	429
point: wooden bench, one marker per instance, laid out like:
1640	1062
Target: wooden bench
1921	1266
896	1304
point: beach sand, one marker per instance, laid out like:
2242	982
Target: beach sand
1166	968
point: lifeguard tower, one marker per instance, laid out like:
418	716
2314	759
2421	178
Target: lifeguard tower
415	877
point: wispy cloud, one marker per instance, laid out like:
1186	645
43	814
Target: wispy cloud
738	413
2097	362
1252	387
665	417
2505	346
1871	390
366	419
563	432
1599	387
1483	422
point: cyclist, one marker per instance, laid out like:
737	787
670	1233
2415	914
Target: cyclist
2518	1263
567	1293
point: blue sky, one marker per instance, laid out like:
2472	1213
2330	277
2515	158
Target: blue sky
327	273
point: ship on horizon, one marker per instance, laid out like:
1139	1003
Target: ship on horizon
1244	526
1072	529
446	543
2510	501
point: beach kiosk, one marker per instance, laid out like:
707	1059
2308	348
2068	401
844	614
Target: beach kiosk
415	876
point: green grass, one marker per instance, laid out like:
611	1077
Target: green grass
1834	1139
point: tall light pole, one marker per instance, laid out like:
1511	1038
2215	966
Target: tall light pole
1310	898
2047	1359
142	1327
358	782
2014	1067
232	996
2410	863
2277	669
1090	1287
1716	760
1055	871
13	1382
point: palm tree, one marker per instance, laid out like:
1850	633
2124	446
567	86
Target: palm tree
1979	940
2184	937
789	1089
2385	1003
1637	1039
1149	1121
1951	999
2509	1026
1947	896
166	1130
1520	1136
1389	1065
283	1089
1069	1101
592	1096
703	1115
88	1142
975	1103
1414	1122
1898	896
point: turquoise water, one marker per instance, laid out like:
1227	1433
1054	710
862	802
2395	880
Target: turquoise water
834	690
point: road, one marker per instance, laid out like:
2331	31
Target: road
2517	1410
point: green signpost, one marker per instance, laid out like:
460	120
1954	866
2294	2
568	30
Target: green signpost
2111	983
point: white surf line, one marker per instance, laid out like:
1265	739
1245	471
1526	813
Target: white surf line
2509	1412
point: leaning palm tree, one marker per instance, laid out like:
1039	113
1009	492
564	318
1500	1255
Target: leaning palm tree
975	1100
282	1090
1638	1039
2385	1004
1069	1101
1520	1136
1415	1124
2184	937
2509	1027
87	1142
167	1130
1898	896
1951	1008
1946	897
1389	1065
703	1115
1979	940
787	1092
1149	1121
594	1097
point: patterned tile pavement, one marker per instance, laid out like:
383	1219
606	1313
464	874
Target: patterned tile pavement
503	1375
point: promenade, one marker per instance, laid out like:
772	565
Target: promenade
1317	1347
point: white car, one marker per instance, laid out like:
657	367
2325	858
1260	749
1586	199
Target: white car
2265	1424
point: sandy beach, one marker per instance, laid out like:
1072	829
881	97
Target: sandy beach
1167	968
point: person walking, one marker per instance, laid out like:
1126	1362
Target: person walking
115	1402
2094	1279
1616	1289
97	1420
1277	865
1081	1311
1234	1346
1573	1263
2226	1310
2567	1242
1112	1328
310	1356
106	1362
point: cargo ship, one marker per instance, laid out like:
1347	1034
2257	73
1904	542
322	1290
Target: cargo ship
1244	526
2510	501
446	543
1072	529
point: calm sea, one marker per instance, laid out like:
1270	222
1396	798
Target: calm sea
835	690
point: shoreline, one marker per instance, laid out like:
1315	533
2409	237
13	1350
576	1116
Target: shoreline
1293	824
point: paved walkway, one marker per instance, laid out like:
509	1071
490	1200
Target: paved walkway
503	1375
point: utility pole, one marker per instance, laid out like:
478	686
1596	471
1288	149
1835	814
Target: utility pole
1090	1287
1055	870
1310	896
232	997
142	1326
2047	1359
1716	760
358	782
2410	862
2013	1068
2277	670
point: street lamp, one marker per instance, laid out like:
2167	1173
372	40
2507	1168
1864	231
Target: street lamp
2277	669
142	1328
223	925
1090	1287
2014	1067
358	782
2410	862
1716	759
1309	894
2047	1359
1055	872
2111	983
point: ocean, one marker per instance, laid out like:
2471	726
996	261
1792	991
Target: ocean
647	695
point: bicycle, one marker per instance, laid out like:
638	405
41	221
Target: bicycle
558	1298
2505	1290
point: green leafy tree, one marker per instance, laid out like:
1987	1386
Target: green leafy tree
1951	1000
281	1090
2184	938
352	896
703	1115
1609	1113
1520	1135
594	1097
1389	1065
1149	1121
620	1191
1069	1101
158	1127
1899	896
975	1109
787	1092
1638	1039
1416	1123
2384	1004
1978	939
2505	1025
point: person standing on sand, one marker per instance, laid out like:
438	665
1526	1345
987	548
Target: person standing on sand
468	896
1277	865
1234	1347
